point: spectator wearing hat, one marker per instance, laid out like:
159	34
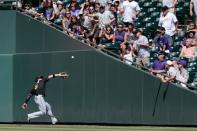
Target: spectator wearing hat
142	49
171	72
130	10
182	75
162	41
169	21
171	4
60	13
158	66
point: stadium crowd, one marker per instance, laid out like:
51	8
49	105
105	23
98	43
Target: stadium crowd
110	24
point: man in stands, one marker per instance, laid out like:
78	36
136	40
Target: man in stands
171	72
130	10
143	53
169	21
162	41
182	75
158	66
105	17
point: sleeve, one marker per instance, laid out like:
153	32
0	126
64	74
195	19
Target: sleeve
172	72
31	93
160	20
137	7
153	65
111	15
174	18
145	40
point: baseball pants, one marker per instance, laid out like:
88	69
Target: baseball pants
44	107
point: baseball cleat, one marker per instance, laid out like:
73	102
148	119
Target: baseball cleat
54	121
28	119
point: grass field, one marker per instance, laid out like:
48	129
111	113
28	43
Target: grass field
19	127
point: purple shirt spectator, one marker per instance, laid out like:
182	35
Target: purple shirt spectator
158	65
119	37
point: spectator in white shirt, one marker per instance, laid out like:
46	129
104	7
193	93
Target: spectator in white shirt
105	17
130	10
142	47
169	21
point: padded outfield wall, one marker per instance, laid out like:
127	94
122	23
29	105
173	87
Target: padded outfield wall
100	89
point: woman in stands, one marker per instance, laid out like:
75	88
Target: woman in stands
106	37
66	21
48	10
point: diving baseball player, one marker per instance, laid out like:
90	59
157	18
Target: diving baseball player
38	91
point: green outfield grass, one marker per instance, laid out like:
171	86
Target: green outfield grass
19	127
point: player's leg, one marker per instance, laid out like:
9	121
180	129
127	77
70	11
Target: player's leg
50	113
39	100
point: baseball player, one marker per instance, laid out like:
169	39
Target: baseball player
38	91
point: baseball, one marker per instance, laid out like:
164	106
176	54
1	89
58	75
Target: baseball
72	57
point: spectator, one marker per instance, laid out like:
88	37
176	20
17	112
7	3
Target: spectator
106	37
66	21
60	13
115	13
97	7
105	17
74	10
192	27
128	57
73	22
188	51
93	31
48	11
130	10
120	38
171	4
158	66
85	7
182	75
171	72
143	53
193	6
169	21
130	38
162	41
190	36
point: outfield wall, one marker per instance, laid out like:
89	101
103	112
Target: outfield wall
100	89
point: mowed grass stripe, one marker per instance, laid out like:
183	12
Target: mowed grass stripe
88	128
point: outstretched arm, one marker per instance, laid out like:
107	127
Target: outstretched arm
24	105
60	74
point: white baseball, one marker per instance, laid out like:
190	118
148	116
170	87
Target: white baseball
72	57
